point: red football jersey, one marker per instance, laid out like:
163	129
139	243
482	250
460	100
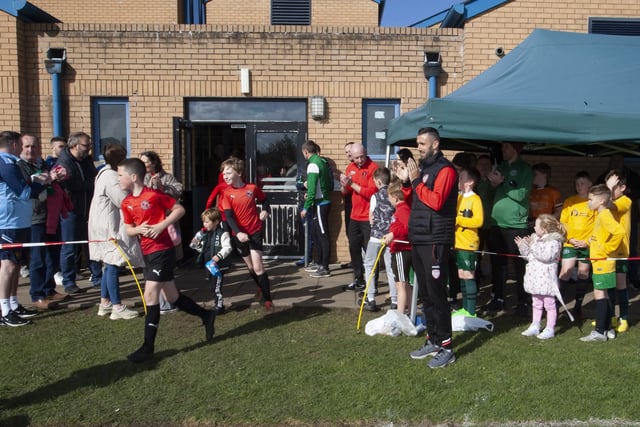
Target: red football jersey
149	206
242	201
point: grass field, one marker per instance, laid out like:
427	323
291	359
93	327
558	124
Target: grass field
307	367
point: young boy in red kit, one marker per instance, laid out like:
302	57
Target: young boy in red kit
144	215
397	239
239	204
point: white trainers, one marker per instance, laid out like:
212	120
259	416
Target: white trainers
611	334
594	336
532	331
125	313
24	271
546	334
103	310
58	278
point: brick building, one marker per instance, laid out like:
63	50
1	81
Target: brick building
195	93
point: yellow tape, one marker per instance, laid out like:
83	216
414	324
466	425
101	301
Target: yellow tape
133	273
366	289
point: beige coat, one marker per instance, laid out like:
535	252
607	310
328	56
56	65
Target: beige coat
105	222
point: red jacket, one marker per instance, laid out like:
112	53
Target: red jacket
400	228
364	178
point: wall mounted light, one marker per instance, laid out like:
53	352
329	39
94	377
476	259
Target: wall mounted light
318	108
245	81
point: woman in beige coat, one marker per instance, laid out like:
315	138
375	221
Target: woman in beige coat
105	222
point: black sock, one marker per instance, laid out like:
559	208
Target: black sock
255	278
602	315
188	305
151	322
263	282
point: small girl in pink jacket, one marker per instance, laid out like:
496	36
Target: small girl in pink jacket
542	251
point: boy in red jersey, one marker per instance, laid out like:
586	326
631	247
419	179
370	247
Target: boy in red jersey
398	241
239	205
144	215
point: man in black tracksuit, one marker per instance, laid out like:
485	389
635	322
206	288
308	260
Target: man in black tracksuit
431	232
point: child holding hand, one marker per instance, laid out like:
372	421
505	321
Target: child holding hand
542	250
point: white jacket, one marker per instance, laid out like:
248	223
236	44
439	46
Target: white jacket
105	222
543	255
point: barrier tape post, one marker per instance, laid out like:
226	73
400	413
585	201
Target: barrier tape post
366	289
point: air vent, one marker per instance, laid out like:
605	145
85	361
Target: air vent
615	26
290	12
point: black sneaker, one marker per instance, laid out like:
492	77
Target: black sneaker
220	309
354	286
495	304
13	320
371	306
208	321
25	313
140	355
74	290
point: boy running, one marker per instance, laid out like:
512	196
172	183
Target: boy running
143	213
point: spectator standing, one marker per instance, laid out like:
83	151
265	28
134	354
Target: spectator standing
347	198
578	220
319	186
42	259
607	237
144	215
81	174
544	198
397	239
512	181
357	183
105	222
542	250
381	212
431	232
57	144
15	221
469	218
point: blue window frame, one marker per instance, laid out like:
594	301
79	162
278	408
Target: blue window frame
110	124
376	116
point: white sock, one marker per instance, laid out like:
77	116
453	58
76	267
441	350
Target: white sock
13	302
6	307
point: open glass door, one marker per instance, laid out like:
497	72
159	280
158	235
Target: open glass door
274	160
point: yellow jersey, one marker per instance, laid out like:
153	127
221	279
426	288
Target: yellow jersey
622	214
469	218
577	218
607	236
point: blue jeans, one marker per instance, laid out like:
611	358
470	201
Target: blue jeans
42	265
74	228
68	255
110	283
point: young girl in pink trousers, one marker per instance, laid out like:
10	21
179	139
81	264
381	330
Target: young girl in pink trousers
542	250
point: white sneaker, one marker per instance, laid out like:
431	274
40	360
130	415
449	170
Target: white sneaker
611	334
532	331
24	271
546	334
103	310
58	278
125	313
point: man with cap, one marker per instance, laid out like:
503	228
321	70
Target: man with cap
512	181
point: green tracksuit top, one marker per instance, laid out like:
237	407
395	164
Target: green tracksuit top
319	182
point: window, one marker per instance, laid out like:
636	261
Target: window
110	124
615	26
376	115
290	12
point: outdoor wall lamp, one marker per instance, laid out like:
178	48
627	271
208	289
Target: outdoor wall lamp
432	64
318	108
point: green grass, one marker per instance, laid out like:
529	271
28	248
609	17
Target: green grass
306	367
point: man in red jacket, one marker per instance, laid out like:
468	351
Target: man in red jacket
357	183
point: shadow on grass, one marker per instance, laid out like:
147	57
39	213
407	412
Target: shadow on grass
16	421
95	376
279	318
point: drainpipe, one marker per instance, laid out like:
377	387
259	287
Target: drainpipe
56	58
432	68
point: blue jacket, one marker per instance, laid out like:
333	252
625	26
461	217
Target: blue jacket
15	194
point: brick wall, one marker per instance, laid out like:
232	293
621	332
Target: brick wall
337	13
112	11
10	84
157	66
